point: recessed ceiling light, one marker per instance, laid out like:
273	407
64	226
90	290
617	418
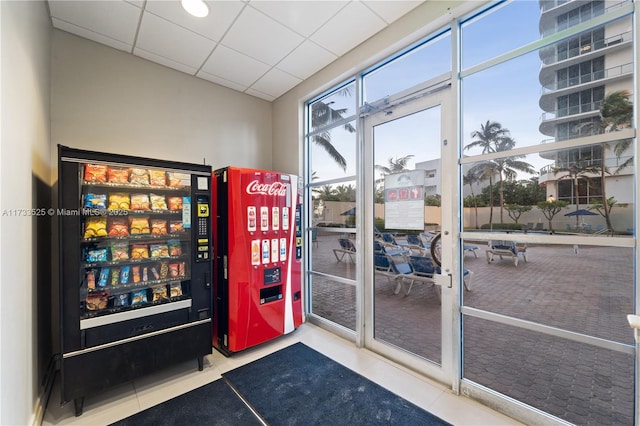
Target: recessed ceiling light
196	8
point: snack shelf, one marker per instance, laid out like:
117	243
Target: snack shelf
91	212
117	309
146	260
139	238
136	187
123	288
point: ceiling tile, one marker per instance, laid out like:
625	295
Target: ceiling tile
306	60
391	10
353	25
221	81
303	17
90	15
164	61
276	82
260	37
99	38
234	66
260	95
213	26
163	38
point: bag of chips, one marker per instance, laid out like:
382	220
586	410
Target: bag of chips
175	203
175	290
95	201
138	297
140	202
175	248
121	300
96	173
164	270
158	202
158	227
124	274
158	177
104	277
159	293
91	279
115	276
175	226
135	272
174	270
177	179
118	227
97	300
95	227
139	251
96	255
139	225
119	201
118	175
119	252
159	250
139	176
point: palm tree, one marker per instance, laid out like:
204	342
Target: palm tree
487	138
323	114
616	113
395	166
486	170
507	167
326	193
471	177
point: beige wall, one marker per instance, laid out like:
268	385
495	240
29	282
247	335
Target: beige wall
24	178
107	100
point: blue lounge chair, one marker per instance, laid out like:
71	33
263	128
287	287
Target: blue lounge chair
406	274
347	248
506	249
423	265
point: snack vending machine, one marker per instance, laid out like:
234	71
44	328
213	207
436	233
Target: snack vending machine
135	268
257	269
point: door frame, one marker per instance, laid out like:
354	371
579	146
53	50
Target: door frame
429	96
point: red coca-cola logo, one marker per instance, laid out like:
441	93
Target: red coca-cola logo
271	189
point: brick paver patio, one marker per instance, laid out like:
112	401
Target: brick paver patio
589	292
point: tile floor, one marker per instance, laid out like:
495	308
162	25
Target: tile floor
130	398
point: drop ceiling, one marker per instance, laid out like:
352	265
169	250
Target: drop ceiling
259	47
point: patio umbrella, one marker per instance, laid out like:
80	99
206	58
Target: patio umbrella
581	212
350	212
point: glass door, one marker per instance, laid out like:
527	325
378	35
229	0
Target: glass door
411	299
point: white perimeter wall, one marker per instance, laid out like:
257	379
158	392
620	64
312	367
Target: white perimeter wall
24	163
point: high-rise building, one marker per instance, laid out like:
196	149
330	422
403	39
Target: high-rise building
577	74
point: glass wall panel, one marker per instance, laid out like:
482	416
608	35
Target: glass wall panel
574	179
576	382
333	107
333	300
499	30
332	153
427	61
581	288
538	98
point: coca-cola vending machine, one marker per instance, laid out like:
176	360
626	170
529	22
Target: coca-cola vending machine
257	266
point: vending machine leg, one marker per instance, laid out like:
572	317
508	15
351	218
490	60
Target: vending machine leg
78	403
